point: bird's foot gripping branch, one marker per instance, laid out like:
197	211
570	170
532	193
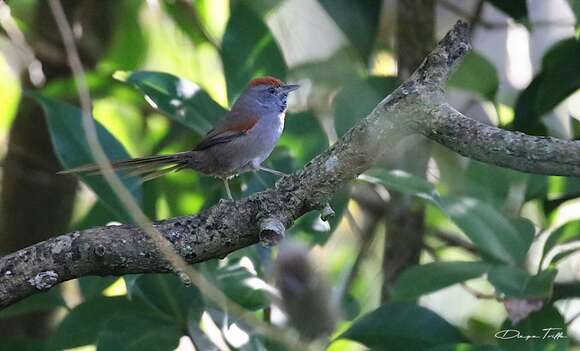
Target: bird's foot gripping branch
416	107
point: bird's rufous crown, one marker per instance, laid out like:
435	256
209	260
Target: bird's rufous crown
270	81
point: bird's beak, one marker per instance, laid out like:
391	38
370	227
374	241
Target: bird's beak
290	87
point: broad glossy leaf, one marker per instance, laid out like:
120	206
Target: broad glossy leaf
93	286
542	327
167	294
248	50
575	4
358	20
243	285
466	347
476	74
21	344
82	325
312	229
561	75
357	99
517	9
404	182
527	118
558	79
423	279
70	145
566	233
402	326
498	237
45	301
178	98
490	183
516	283
137	333
128	33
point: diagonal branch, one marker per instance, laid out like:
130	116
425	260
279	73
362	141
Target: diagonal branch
417	106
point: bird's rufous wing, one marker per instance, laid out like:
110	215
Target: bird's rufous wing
231	127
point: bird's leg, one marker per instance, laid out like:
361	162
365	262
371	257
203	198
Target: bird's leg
227	186
273	171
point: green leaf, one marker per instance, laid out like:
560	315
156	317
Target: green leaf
70	145
178	98
92	287
466	347
358	20
248	50
404	182
167	294
315	231
21	344
517	9
243	286
358	98
137	333
548	320
82	325
41	302
558	79
499	238
575	4
128	32
516	283
568	232
527	118
402	326
476	74
423	279
561	75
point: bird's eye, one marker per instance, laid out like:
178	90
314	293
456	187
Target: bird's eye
272	91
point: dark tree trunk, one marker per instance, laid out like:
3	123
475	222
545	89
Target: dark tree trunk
405	216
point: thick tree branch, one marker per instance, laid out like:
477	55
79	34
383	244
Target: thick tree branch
416	107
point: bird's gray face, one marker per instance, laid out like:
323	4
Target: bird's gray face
274	98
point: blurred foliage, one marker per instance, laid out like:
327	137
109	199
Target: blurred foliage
170	74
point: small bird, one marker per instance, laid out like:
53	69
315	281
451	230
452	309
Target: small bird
238	143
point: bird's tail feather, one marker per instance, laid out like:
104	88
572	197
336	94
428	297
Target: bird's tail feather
149	167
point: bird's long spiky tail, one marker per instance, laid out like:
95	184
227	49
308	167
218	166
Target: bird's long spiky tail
149	167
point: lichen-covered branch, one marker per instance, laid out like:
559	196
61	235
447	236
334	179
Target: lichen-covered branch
417	106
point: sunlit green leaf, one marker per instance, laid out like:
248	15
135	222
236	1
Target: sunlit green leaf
71	147
514	282
249	50
402	326
178	99
423	279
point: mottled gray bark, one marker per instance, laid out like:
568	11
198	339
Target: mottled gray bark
418	106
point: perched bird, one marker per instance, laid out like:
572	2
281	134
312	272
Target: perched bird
238	143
